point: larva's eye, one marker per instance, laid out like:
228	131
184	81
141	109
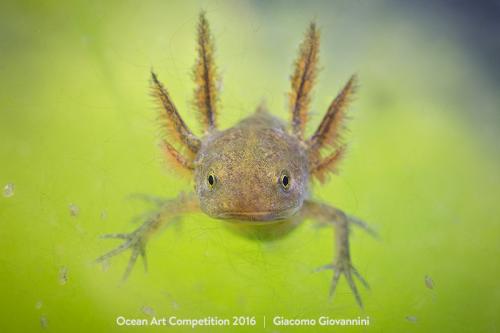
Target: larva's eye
285	180
211	180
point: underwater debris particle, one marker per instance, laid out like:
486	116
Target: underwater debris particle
411	319
173	303
147	310
63	275
429	282
74	210
43	322
38	305
8	190
104	215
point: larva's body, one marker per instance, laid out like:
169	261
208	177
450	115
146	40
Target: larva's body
255	175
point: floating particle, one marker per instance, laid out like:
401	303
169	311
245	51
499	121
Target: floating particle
429	282
104	215
73	209
63	275
411	319
43	322
173	303
8	190
148	311
79	228
38	305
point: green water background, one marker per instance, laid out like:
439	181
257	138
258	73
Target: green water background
77	126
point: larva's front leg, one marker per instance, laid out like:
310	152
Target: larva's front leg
136	241
341	264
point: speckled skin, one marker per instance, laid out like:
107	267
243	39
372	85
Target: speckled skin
248	159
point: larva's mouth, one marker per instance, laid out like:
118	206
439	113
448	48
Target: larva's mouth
262	216
251	216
